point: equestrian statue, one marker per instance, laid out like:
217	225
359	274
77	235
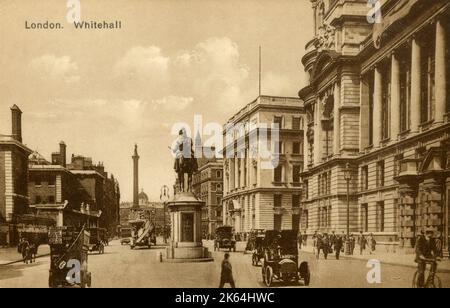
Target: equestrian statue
185	161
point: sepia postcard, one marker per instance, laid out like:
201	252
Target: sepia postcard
251	145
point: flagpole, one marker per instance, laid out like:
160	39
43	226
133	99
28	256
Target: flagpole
259	92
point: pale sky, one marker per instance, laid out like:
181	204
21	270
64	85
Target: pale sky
101	91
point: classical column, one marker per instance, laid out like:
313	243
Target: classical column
336	119
415	86
317	133
236	171
440	69
395	97
232	174
377	101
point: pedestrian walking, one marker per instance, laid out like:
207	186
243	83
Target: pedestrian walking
338	244
352	244
300	240
362	241
226	275
332	241
305	239
372	243
315	239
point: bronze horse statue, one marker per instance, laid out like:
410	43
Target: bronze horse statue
185	161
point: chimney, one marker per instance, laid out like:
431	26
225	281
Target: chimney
62	154
16	116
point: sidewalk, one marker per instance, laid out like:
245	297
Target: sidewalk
10	255
387	258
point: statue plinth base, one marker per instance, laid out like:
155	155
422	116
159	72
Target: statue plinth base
186	230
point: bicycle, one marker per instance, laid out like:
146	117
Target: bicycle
432	281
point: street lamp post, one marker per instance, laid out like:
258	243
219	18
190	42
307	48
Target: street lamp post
164	197
348	177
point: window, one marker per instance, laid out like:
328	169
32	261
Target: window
364	218
305	219
380	216
278	120
427	70
364	177
295	201
51	180
278	174
38	200
296	148
219	174
37	181
277	200
380	173
280	147
305	189
219	200
51	199
277	222
296	169
386	102
296	123
405	90
295	221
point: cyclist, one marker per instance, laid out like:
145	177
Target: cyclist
425	251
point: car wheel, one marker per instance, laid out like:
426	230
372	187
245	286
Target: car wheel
269	276
263	274
307	278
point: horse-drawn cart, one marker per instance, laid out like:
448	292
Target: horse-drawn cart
68	257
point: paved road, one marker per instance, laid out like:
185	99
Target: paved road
122	267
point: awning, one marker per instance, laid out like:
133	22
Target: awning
401	10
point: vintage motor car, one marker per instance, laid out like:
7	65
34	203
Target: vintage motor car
224	238
125	236
281	258
68	248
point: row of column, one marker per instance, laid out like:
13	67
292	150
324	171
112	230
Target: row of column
416	75
248	172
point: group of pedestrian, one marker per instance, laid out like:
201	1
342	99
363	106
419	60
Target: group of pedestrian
333	243
327	244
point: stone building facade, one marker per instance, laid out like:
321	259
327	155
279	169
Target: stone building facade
13	179
262	173
378	101
207	186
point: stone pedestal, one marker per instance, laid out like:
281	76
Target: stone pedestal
186	233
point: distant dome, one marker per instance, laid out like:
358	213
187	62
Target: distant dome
143	198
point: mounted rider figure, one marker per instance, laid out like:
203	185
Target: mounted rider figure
185	162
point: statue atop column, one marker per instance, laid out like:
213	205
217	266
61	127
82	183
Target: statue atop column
185	161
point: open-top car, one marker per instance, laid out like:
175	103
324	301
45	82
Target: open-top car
225	238
281	258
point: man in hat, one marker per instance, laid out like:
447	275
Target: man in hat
425	252
226	275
